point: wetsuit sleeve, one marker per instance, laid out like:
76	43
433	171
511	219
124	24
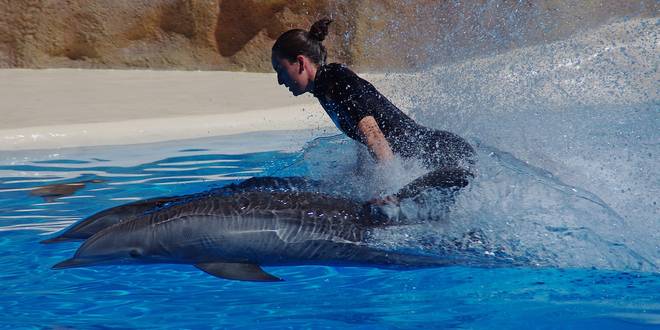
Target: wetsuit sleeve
353	94
360	106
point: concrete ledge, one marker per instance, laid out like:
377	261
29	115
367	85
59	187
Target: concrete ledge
157	129
45	109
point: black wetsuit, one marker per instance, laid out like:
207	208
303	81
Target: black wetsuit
348	99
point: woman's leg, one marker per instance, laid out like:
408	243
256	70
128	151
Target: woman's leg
441	178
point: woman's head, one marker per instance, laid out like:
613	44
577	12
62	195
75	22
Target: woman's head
297	54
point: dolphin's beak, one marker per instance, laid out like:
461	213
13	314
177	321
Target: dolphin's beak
74	263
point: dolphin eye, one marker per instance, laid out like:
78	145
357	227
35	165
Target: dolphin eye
135	253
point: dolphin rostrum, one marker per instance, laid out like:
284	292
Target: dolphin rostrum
106	218
233	236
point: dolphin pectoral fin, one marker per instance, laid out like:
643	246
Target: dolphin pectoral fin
71	263
237	271
56	239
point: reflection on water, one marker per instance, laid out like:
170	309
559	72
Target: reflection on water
52	192
48	195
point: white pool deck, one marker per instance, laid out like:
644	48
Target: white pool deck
60	108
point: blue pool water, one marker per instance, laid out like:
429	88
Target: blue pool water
180	296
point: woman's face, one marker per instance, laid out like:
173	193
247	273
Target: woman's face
291	74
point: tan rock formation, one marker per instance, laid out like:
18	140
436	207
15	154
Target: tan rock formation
237	34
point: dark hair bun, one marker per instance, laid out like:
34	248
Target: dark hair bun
319	30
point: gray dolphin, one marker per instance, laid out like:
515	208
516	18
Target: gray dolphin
106	218
233	236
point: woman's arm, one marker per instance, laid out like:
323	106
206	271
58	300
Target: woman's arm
374	139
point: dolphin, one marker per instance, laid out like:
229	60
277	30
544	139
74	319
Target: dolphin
91	225
232	236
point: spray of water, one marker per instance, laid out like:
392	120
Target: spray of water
568	138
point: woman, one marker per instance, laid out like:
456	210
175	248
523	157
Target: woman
365	115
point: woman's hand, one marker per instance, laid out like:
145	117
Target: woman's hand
387	200
375	140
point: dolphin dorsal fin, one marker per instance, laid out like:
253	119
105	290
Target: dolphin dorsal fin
237	271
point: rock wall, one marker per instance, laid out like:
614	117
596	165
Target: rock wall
238	34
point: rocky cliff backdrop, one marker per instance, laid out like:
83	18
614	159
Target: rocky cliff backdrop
380	35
